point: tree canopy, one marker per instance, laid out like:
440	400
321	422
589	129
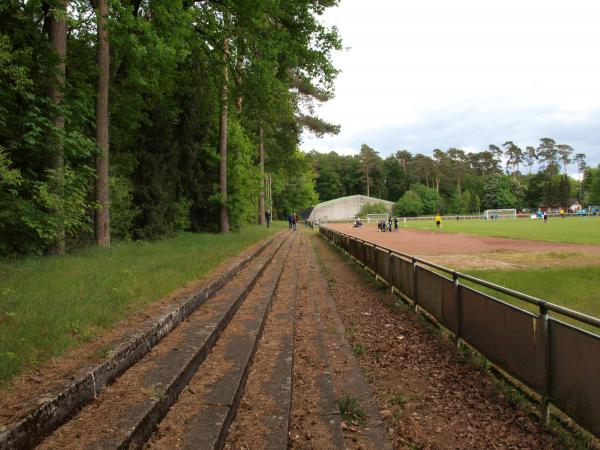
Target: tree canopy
166	69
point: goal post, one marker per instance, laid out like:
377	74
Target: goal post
377	217
492	214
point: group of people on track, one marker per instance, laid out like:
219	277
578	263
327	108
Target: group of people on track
386	225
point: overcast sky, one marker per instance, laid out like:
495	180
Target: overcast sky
423	74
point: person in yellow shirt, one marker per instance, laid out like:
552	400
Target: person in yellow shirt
562	213
438	221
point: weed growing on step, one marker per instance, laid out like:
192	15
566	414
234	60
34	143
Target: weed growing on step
350	410
358	349
398	399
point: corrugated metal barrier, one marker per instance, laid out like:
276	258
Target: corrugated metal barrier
558	361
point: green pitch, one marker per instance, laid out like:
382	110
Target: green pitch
578	230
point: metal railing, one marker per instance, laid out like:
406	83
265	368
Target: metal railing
558	361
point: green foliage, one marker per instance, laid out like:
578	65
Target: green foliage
48	305
410	205
165	87
373	208
502	191
351	411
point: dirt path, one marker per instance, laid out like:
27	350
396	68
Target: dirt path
431	398
425	243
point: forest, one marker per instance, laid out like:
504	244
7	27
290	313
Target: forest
137	119
459	182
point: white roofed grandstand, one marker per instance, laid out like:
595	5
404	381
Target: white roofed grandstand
344	208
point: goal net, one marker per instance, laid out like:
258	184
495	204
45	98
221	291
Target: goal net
377	217
492	214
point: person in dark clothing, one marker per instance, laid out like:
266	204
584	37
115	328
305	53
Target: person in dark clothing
395	224
268	218
290	220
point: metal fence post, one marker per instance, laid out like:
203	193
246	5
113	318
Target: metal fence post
458	302
389	274
414	283
547	390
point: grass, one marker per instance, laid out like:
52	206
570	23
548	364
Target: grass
398	399
51	304
577	230
576	288
350	410
359	349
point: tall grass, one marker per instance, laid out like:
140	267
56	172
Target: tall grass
51	304
579	230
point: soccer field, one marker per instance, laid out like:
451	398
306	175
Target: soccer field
577	230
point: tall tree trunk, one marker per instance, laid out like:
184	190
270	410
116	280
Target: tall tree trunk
223	213
368	182
270	194
58	40
102	216
261	163
238	81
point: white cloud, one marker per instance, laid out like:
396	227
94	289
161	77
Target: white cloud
515	69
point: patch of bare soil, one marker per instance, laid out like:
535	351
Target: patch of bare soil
262	418
429	395
426	243
22	395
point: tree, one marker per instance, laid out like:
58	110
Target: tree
548	154
564	153
410	205
223	213
102	216
496	152
58	41
530	157
368	158
514	154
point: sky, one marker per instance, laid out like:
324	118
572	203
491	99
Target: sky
427	74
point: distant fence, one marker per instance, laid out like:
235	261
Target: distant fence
449	217
558	361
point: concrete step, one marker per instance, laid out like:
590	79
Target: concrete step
262	420
315	418
202	415
126	412
41	416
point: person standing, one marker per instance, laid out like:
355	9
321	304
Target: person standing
396	224
268	218
545	217
438	221
290	220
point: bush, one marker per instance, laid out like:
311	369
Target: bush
373	208
410	205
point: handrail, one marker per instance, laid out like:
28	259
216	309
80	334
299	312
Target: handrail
542	304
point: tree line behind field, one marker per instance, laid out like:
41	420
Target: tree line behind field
130	119
457	182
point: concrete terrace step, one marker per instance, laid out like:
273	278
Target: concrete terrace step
45	415
201	417
262	420
348	377
315	414
125	413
